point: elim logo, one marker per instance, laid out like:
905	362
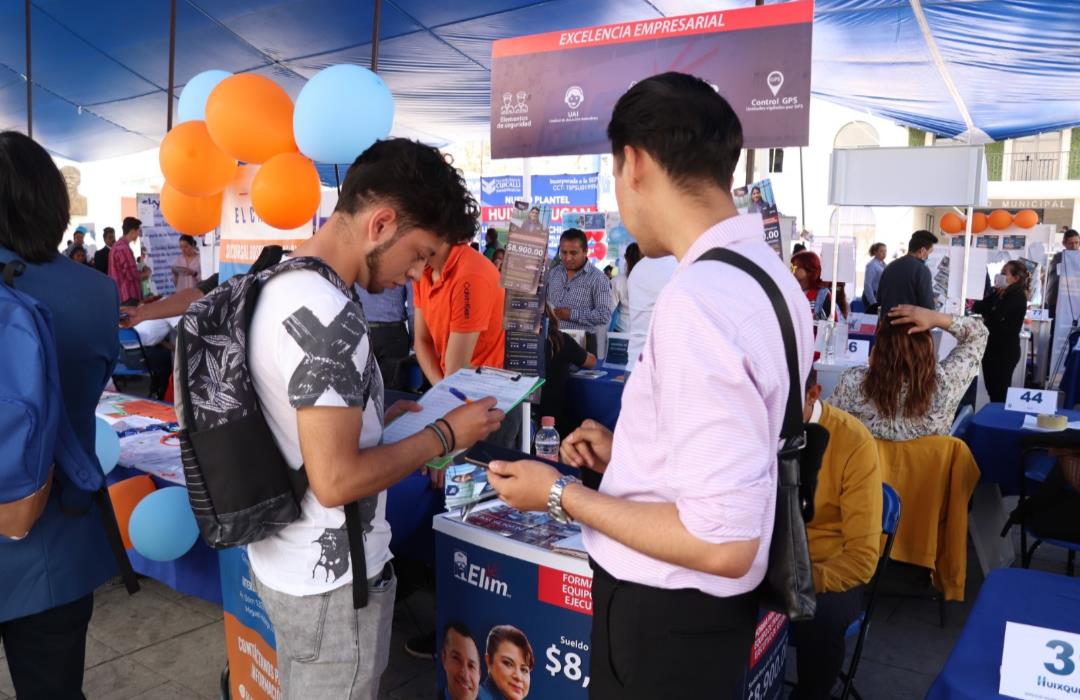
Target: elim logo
478	576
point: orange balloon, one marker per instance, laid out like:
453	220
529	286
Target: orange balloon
951	223
194	216
250	118
192	163
1026	218
286	191
979	222
1000	220
125	495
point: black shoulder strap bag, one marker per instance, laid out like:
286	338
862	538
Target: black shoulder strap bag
789	585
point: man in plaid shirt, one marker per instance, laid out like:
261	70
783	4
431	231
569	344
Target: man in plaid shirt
579	293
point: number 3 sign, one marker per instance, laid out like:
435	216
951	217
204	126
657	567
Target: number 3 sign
1039	662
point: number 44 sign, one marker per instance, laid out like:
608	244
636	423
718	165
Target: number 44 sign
1037	662
1031	400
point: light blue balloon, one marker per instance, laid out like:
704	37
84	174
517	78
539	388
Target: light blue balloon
162	527
106	445
192	105
341	112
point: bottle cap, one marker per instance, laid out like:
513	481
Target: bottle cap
547	422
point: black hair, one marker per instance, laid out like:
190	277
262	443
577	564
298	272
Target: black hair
419	182
921	239
632	255
130	224
608	269
535	209
190	240
575	234
492	231
1070	233
799	247
34	204
875	248
76	249
475	246
459	627
683	124
108	229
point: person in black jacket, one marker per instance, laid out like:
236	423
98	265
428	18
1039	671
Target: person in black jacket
1003	312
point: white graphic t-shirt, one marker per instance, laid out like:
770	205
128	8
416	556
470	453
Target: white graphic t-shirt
309	346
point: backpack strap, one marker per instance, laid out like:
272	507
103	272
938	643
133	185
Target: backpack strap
793	415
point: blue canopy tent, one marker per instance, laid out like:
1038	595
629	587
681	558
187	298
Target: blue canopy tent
100	71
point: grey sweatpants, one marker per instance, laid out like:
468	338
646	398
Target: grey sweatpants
326	650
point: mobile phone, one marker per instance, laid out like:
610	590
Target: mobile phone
484	453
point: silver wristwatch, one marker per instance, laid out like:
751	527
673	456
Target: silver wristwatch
555	509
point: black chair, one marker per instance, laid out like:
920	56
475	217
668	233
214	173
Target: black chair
890	521
1035	466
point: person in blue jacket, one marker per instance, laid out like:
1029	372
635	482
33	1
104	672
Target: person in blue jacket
47	579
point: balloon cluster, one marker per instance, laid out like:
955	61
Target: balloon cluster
157	523
226	119
999	220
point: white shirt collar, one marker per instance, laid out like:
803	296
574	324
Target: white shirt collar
815	417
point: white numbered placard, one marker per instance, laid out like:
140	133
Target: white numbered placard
857	350
1037	662
1038	314
1031	400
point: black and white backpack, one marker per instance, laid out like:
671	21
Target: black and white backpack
240	487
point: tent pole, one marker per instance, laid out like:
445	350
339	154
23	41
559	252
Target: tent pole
172	62
375	37
802	193
749	151
967	260
835	315
29	77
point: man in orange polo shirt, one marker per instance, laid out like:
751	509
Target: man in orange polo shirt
459	313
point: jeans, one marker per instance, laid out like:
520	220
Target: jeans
327	650
46	651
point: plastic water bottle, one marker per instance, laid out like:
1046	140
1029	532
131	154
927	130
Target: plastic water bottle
547	440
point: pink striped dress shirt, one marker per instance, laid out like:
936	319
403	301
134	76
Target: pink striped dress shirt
701	413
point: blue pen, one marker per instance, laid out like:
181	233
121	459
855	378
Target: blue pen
459	395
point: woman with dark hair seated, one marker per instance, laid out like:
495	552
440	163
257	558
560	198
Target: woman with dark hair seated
1003	312
905	393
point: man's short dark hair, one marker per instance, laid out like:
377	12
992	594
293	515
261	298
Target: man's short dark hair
575	234
190	240
683	124
875	248
492	231
1070	233
459	627
921	239
535	209
419	182
34	205
108	229
130	224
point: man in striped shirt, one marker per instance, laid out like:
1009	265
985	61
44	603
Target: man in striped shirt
579	293
679	531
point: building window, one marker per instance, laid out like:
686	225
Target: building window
856	135
776	160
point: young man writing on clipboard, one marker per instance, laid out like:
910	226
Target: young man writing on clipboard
679	531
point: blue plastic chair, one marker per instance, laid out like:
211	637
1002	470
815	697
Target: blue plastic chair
890	521
132	359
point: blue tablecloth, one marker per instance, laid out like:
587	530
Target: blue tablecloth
994	438
410	505
599	399
1008	595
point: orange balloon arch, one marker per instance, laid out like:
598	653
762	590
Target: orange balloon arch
1026	219
192	163
952	223
1000	220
